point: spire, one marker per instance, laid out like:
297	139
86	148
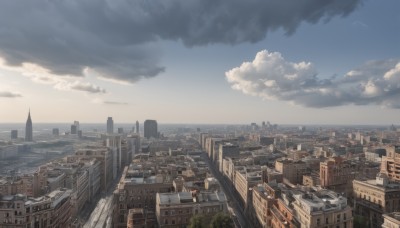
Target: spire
28	128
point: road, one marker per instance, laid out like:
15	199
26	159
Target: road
229	192
101	213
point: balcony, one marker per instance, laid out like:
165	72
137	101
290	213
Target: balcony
277	214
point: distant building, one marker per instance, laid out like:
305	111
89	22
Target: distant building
337	174
29	129
120	130
291	170
137	127
110	125
14	134
74	129
227	150
150	129
56	132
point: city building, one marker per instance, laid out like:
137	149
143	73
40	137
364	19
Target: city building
14	134
29	129
373	198
137	189
51	210
391	163
226	150
141	218
74	129
56	132
391	220
150	129
337	174
264	197
291	170
137	127
176	209
322	208
246	179
110	125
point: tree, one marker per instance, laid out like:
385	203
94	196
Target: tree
196	221
221	220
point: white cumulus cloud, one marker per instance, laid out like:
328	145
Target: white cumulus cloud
270	76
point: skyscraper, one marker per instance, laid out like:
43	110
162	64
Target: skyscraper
28	129
137	127
110	125
150	129
14	134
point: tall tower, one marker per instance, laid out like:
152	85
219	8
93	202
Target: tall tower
137	127
110	125
28	128
150	129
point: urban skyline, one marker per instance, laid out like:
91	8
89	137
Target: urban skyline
202	78
199	113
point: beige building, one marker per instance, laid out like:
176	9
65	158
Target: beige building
372	198
51	210
391	163
226	150
137	190
80	195
176	209
391	220
244	181
337	174
322	208
140	218
264	197
104	156
292	170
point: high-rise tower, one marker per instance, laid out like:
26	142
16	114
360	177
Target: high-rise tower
137	127
110	125
150	129
28	129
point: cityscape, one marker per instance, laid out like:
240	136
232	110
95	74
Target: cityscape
146	175
199	114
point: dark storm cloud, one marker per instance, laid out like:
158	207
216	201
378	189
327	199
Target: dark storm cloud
115	37
8	94
270	76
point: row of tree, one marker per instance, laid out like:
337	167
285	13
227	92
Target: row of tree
219	220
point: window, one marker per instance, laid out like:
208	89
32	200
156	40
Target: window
344	216
166	221
318	221
338	218
326	220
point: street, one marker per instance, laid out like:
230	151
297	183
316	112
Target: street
229	192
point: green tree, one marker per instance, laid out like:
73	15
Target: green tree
221	220
196	221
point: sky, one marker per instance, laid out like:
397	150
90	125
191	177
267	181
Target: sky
200	61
